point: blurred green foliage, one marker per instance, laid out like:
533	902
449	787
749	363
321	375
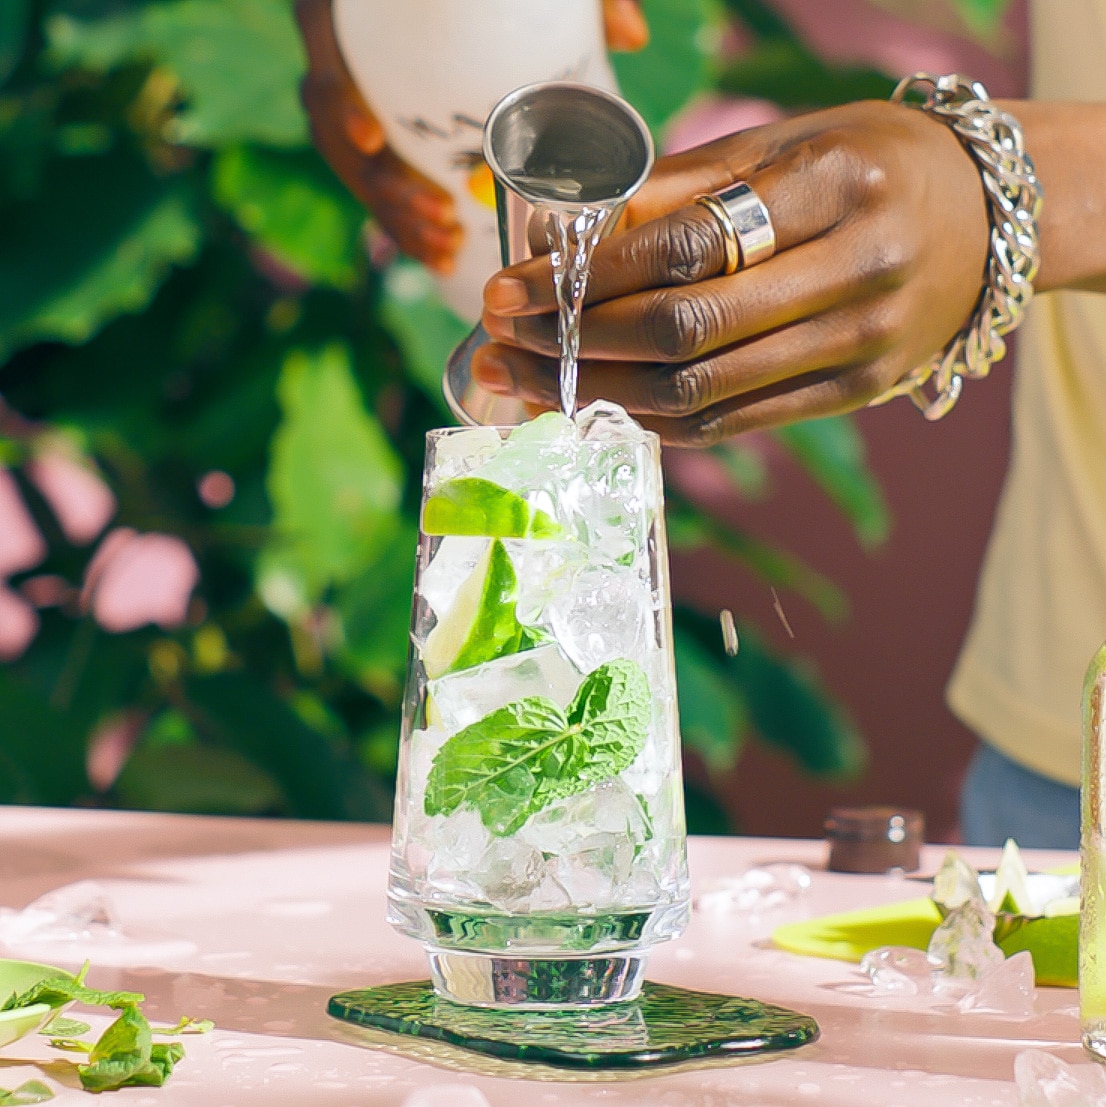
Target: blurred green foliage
184	290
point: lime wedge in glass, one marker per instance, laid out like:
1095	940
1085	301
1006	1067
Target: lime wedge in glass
474	506
481	624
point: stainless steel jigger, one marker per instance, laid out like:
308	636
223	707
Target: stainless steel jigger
556	146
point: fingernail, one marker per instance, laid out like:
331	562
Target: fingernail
506	294
491	372
364	133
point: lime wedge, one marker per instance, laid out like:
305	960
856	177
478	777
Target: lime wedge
481	624
1011	893
474	506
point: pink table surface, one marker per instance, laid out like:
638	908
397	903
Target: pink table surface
256	923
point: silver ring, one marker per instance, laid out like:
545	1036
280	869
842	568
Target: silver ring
751	223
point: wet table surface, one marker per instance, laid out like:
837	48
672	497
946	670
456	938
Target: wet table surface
256	923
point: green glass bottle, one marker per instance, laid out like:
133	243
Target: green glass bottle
1092	853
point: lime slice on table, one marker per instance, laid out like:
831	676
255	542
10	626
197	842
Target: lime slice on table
481	625
474	506
1011	892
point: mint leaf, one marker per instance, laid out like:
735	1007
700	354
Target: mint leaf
125	1056
61	1027
31	1091
56	991
520	758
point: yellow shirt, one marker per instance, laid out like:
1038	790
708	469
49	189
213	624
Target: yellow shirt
1040	609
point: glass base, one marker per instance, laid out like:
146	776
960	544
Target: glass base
488	980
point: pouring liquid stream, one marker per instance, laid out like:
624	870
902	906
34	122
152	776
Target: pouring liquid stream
572	236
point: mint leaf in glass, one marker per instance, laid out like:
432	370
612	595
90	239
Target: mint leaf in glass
520	758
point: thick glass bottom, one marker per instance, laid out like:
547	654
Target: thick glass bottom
537	935
491	980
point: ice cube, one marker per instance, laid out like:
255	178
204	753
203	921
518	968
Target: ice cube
587	819
899	970
1005	989
539	456
544	569
757	890
607	421
452	564
73	912
461	451
463	698
595	877
1046	1081
509	873
457	844
963	945
607	613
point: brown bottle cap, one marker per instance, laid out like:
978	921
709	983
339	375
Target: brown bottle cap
874	839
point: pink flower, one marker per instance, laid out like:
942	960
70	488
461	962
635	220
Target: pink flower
135	579
21	545
18	624
81	502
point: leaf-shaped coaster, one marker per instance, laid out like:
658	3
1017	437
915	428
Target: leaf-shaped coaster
663	1026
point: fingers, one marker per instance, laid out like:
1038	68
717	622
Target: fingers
686	245
736	386
624	25
682	324
415	211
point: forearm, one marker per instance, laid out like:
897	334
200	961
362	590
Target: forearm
1067	142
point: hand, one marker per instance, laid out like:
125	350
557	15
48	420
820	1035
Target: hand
415	211
882	239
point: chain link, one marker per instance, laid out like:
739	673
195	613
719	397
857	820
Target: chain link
995	141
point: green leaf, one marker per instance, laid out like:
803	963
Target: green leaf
792	711
334	479
197	779
744	466
41	750
95	243
982	16
832	452
690	527
713	714
122	1051
63	1027
788	706
519	758
424	328
375	614
319	777
30	1091
56	991
293	206
14	18
676	64
780	67
238	62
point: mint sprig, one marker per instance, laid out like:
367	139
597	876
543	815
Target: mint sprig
520	758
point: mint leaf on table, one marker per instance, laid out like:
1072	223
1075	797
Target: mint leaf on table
125	1055
57	991
520	758
31	1091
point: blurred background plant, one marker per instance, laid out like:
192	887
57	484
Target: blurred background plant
215	379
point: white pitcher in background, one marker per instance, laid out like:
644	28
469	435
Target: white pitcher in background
432	70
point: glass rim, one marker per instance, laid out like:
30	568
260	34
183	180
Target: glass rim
504	430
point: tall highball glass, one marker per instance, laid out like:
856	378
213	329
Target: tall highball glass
538	847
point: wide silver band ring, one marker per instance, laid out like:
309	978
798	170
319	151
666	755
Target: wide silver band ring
747	232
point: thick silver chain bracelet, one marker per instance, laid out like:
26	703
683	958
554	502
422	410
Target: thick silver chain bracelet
995	141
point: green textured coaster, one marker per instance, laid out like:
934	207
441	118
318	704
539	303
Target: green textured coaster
663	1026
